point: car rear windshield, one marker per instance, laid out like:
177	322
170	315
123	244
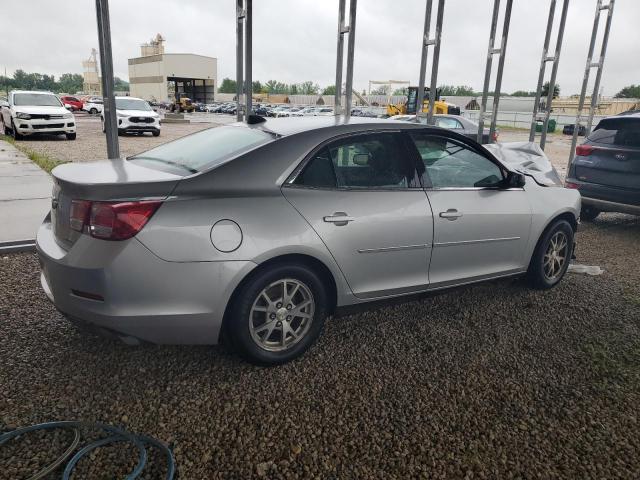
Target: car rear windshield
132	104
624	132
36	100
202	150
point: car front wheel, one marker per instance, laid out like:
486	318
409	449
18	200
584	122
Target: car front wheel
278	314
14	132
551	257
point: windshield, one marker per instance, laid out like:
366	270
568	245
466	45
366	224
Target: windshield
36	100
617	131
202	150
132	104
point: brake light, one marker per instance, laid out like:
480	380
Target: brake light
120	221
571	185
79	214
584	150
111	220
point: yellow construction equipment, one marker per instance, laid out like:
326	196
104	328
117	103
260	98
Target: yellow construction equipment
410	106
184	104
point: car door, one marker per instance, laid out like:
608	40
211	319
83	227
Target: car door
362	196
481	229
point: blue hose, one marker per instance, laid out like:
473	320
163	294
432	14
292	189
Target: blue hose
117	435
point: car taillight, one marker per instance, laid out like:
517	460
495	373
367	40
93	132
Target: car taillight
572	185
111	220
584	150
79	214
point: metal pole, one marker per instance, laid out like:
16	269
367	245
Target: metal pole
350	49
543	65
487	72
585	81
434	66
603	50
503	51
339	57
106	65
423	59
554	71
248	57
239	55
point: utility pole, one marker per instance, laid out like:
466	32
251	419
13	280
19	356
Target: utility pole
106	64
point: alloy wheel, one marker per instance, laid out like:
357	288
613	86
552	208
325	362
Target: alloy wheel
281	315
556	256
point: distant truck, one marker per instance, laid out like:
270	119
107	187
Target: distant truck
184	104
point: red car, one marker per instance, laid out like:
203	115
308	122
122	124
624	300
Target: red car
75	103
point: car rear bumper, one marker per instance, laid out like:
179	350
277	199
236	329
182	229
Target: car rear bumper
122	287
607	198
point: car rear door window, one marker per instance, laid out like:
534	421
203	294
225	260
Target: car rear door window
623	132
371	161
452	164
448	123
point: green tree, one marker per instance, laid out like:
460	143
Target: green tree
381	90
309	88
545	90
119	84
401	91
523	93
457	90
631	91
256	86
227	86
276	87
330	90
70	83
293	89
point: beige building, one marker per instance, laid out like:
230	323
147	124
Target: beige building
158	76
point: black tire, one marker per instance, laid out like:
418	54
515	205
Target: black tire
237	323
537	276
14	132
588	213
70	136
156	134
93	111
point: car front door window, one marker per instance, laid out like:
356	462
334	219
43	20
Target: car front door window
451	164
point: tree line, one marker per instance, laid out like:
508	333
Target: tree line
67	82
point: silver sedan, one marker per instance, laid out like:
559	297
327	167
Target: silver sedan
257	232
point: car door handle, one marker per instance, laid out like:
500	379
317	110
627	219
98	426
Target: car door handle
339	219
451	214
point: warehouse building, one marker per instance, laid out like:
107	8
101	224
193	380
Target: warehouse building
157	75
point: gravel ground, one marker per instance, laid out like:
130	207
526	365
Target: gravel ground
493	381
91	144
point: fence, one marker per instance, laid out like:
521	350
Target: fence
523	119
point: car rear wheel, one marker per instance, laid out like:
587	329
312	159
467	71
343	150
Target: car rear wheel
278	314
588	213
552	256
93	111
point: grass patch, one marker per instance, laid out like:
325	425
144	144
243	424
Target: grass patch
45	162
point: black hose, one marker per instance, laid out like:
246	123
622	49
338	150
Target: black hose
117	435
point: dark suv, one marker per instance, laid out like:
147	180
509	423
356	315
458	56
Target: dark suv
606	168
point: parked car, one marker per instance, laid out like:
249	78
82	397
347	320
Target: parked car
200	107
135	115
75	103
94	106
261	231
261	111
325	112
569	129
462	125
606	167
30	113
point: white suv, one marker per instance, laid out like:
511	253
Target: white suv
30	113
135	116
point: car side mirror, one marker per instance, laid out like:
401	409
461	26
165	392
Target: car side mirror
514	180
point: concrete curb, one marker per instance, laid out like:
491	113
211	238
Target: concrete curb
15	246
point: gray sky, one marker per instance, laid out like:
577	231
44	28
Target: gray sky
295	40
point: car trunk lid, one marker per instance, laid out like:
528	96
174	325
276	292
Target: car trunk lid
113	180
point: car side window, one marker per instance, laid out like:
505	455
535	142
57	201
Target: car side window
452	164
371	161
448	123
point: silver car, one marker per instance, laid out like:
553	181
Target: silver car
256	233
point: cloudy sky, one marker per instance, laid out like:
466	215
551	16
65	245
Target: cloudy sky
295	40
